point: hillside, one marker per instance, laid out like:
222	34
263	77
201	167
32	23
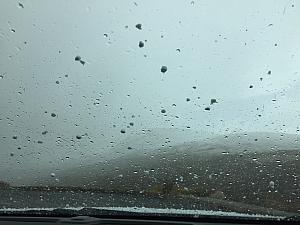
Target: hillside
257	168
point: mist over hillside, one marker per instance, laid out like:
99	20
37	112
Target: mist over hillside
253	168
162	150
237	166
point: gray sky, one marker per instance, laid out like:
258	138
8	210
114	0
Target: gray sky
225	46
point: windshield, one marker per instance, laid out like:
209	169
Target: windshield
184	107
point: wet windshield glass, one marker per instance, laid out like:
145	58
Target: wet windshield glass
150	105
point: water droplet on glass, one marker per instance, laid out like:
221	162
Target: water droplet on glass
123	131
138	26
77	58
78	137
21	5
141	44
163	69
225	153
213	101
272	184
